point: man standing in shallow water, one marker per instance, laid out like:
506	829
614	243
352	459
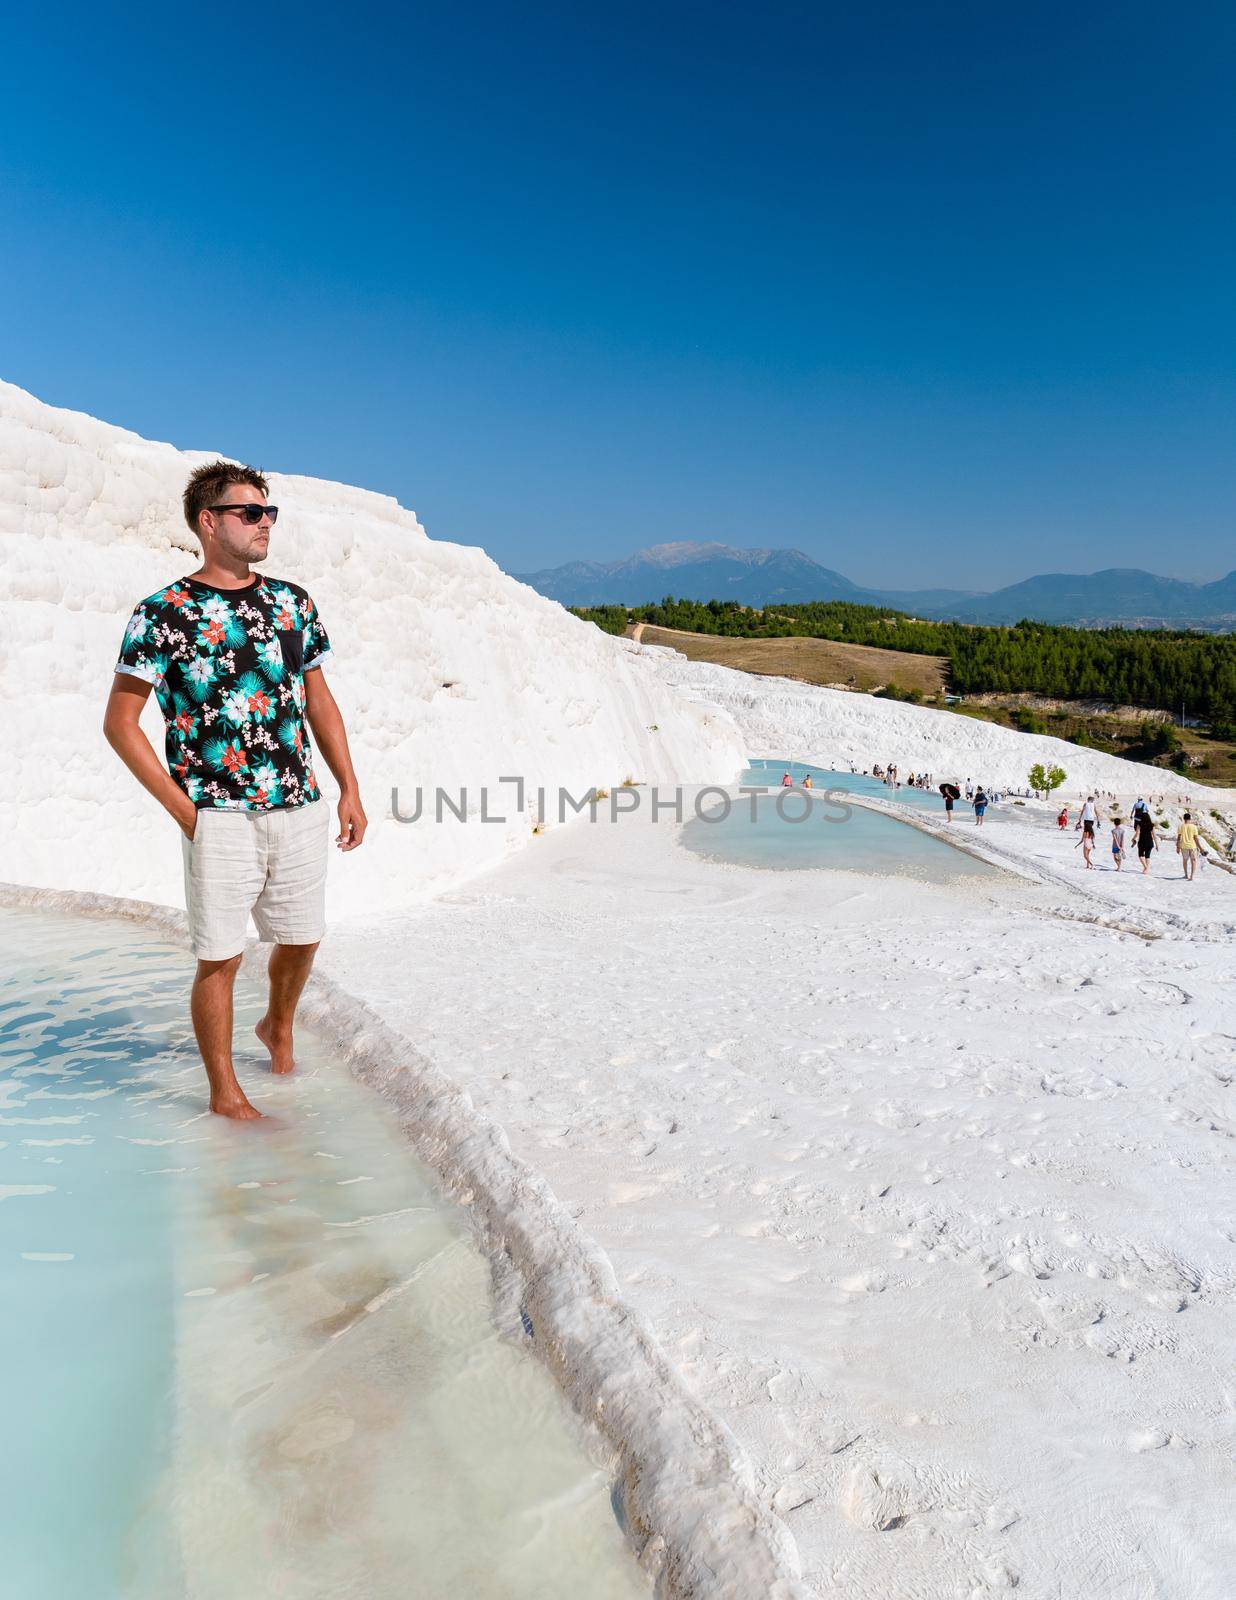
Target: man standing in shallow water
235	660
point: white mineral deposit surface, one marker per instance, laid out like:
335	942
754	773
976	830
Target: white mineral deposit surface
925	1189
928	1192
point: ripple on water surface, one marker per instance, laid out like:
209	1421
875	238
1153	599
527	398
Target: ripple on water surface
249	1359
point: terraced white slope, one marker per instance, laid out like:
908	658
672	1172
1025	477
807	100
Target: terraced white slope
448	671
779	717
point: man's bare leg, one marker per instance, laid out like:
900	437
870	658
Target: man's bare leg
288	970
210	1005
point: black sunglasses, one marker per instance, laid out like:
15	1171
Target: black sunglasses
251	513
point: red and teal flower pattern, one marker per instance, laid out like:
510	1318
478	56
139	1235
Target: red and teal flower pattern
228	670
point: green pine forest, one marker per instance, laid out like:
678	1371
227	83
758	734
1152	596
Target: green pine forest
1153	668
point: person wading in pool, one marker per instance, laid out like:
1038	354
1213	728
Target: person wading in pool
235	660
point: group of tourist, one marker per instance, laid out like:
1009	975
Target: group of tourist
975	794
891	776
1147	835
978	798
1141	831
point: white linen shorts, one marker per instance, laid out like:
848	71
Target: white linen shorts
270	863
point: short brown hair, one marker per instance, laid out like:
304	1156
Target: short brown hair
209	482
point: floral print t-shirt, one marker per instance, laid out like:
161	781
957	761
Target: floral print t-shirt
228	670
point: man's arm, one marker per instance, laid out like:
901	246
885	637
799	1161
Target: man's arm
123	732
326	723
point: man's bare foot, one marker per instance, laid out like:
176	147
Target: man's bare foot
232	1103
280	1049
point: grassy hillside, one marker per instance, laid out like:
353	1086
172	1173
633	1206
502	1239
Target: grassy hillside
820	661
1152	669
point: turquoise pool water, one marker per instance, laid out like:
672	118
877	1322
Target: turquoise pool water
769	772
800	830
240	1361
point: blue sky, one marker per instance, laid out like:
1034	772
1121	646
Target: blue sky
941	294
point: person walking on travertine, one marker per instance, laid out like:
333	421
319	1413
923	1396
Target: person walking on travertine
235	660
1144	833
1088	822
1117	843
1188	843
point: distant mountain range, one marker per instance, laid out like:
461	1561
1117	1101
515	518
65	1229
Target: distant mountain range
697	571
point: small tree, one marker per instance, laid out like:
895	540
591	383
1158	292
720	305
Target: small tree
1045	779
